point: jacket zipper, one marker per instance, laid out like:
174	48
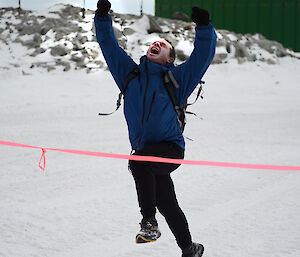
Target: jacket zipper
144	102
152	101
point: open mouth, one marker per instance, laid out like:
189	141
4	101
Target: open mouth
154	50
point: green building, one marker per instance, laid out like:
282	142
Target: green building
276	19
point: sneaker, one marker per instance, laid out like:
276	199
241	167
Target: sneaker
194	250
149	231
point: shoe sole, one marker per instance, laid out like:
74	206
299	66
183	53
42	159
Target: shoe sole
201	253
140	240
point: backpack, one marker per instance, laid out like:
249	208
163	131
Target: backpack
170	84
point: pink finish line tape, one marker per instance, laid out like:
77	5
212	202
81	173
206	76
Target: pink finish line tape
42	161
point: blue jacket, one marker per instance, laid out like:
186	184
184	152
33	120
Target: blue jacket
148	110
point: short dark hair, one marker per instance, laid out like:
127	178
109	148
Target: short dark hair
172	51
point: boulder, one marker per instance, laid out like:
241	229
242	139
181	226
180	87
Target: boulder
188	27
77	59
228	47
44	30
181	16
128	31
118	33
28	29
4	39
59	50
281	52
154	26
34	43
241	60
240	50
217	60
65	64
252	58
81	39
50	68
47	24
65	30
221	56
71	12
76	45
271	61
38	51
180	55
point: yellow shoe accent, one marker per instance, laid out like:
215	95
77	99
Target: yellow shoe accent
140	239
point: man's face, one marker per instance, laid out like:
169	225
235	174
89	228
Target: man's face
159	52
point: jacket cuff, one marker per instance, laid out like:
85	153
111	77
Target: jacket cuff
105	18
203	26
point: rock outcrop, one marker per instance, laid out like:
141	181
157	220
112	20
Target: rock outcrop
62	33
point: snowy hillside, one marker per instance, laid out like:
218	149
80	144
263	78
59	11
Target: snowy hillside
53	83
60	37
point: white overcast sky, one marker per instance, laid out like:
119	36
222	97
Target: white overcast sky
121	6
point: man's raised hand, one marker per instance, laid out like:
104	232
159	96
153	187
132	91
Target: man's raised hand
200	16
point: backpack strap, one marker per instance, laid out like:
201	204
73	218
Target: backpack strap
198	93
131	75
173	80
170	83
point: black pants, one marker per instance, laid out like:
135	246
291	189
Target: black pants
155	188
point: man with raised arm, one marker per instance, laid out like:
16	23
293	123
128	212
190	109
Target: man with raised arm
152	121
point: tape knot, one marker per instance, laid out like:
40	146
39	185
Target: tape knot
43	160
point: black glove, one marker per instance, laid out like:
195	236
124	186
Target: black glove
103	8
200	16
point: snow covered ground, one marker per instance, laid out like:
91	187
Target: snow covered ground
87	206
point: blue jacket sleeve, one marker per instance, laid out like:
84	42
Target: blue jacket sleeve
119	63
189	73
